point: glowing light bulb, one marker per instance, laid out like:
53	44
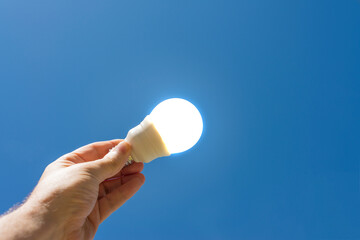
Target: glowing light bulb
175	125
179	124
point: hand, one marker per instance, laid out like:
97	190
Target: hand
76	193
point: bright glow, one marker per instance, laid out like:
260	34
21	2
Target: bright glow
179	123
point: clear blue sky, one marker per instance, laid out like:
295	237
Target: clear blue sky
277	83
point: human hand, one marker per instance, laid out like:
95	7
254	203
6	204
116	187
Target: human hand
76	193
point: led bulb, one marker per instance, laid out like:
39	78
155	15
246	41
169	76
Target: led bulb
179	124
175	125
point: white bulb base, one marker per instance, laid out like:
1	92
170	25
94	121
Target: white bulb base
146	142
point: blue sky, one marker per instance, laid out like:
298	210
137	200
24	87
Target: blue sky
277	83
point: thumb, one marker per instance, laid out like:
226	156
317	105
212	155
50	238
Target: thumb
112	163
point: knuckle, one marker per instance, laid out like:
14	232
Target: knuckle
113	161
93	170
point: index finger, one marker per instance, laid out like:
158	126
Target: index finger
96	150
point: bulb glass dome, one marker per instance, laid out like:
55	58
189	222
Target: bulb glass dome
179	124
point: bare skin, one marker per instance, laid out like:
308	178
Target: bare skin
76	193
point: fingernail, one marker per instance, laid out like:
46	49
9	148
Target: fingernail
122	147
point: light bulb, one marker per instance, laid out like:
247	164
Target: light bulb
175	125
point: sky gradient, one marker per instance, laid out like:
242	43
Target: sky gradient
277	84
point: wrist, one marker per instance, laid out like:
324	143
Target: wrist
30	221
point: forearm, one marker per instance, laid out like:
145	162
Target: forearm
28	222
